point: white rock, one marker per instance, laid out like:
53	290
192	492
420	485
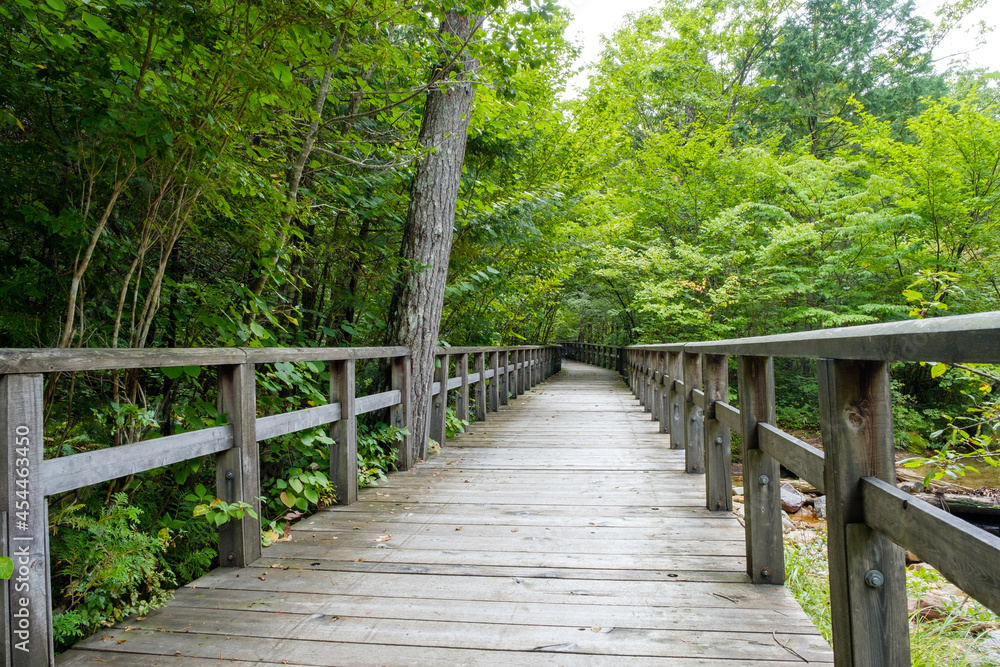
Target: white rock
819	507
791	499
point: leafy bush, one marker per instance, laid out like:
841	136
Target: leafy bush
105	568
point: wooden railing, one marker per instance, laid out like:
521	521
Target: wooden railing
499	374
686	388
605	356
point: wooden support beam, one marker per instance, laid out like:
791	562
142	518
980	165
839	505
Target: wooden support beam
480	393
237	470
400	415
344	450
761	474
694	450
869	622
716	436
462	400
664	391
504	370
675	401
29	599
439	402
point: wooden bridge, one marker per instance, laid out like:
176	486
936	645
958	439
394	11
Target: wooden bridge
577	525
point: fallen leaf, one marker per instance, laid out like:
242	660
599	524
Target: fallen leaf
459	528
383	538
595	628
513	530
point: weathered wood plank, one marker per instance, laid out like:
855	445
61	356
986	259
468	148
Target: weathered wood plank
761	478
386	399
344	451
856	415
800	457
729	416
29	601
72	472
400	414
965	554
694	445
717	443
291	422
237	472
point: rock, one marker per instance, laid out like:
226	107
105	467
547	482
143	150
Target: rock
910	487
912	558
738	499
739	512
803	486
819	507
802	536
791	499
786	523
737	490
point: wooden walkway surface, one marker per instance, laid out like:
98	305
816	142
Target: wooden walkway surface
562	531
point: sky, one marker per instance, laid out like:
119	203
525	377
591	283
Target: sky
596	17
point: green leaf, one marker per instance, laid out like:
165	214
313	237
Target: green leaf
311	495
96	24
282	72
57	5
191	371
6	567
173	372
938	369
296	484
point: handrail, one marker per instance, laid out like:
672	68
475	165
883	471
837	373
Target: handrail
501	373
685	386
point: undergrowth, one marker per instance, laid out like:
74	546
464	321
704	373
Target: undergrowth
941	643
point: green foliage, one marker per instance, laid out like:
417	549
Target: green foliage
377	452
105	567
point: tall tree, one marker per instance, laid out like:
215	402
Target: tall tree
418	298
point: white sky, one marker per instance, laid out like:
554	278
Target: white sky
596	17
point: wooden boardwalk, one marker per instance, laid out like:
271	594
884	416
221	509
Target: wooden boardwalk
562	531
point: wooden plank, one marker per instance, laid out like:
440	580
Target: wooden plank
694	417
344	451
270	355
479	378
881	606
717	444
856	420
728	416
454	383
439	401
965	554
386	399
299	420
675	400
237	472
76	359
5	636
462	398
29	602
400	414
698	398
952	339
761	478
800	457
504	371
495	381
73	472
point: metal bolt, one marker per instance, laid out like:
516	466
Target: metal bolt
718	440
763	480
765	572
231	557
229	474
874	578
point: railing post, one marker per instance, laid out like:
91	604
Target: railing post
761	480
399	415
520	371
504	387
694	451
480	369
29	597
675	401
869	622
439	402
718	460
237	470
462	400
664	400
344	451
656	382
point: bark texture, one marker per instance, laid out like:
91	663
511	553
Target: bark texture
418	299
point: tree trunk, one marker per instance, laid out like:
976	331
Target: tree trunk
418	297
